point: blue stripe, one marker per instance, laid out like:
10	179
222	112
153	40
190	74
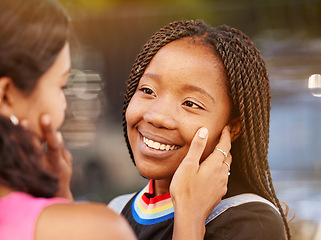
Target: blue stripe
153	215
152	219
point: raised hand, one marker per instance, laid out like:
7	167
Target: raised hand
197	188
58	159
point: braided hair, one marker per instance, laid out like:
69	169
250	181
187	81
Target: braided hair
249	91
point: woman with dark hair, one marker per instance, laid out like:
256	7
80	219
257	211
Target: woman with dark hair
191	75
33	33
34	67
34	183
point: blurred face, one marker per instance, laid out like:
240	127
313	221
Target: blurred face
47	97
182	89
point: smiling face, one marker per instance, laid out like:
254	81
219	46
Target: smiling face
183	88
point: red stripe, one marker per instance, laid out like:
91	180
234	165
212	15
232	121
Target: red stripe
156	199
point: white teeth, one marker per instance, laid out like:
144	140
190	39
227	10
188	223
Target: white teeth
157	145
150	143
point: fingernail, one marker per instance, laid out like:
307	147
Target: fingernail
46	119
59	137
24	123
203	132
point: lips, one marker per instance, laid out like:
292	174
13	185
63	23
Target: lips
159	146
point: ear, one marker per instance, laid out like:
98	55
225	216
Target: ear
5	108
235	128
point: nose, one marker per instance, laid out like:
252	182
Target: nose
161	114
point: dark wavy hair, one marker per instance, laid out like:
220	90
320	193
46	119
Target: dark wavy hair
20	156
32	33
249	90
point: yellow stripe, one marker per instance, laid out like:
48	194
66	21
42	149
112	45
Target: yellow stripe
154	210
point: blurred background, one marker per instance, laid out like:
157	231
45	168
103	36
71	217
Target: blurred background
108	35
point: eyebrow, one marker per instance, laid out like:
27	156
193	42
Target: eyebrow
186	86
152	76
198	89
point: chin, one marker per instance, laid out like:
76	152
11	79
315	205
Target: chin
154	172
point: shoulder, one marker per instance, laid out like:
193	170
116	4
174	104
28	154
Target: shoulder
81	221
118	203
254	220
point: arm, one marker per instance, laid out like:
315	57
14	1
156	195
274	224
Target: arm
82	221
199	187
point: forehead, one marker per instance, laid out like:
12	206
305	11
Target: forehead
188	57
193	47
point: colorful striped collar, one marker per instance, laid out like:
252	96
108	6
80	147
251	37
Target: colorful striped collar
148	210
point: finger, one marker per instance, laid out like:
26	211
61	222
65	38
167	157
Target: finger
67	156
25	124
50	135
228	159
225	140
197	147
217	156
224	145
227	163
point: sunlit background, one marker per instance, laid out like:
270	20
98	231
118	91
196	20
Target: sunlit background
109	34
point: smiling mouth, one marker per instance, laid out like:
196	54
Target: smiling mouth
159	146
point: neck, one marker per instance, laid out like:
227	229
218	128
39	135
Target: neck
236	186
161	186
4	191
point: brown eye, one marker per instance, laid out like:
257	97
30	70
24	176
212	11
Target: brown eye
147	91
192	105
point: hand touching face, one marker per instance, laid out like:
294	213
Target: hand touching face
47	97
182	89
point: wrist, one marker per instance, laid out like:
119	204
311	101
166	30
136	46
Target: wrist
189	211
188	224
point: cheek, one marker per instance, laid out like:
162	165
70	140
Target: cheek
63	100
129	115
213	141
35	109
214	134
134	111
35	125
131	119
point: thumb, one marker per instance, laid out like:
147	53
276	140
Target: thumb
197	147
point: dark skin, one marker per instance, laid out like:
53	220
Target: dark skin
191	170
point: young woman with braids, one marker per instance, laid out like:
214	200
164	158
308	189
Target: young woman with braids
34	184
191	75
